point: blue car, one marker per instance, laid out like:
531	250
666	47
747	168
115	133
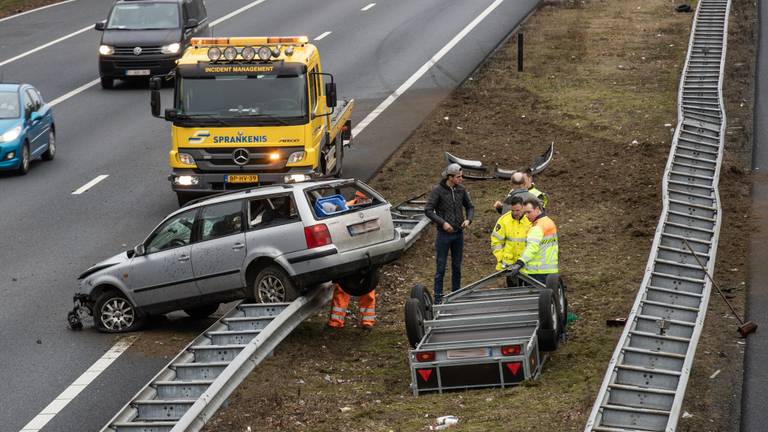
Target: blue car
27	131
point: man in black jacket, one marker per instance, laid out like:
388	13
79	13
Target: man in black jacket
445	207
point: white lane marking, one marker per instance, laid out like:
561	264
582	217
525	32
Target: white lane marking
90	184
423	69
44	46
63	399
85	87
368	6
236	12
35	10
323	35
66	96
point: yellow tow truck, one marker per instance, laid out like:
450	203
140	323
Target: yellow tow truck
252	110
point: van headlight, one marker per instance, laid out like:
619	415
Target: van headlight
171	48
10	134
106	50
296	157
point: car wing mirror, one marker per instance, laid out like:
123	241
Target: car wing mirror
34	116
139	250
100	26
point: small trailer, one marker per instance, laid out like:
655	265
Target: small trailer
495	332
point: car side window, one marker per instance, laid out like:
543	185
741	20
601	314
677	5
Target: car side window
175	232
29	104
219	220
271	211
35	97
312	89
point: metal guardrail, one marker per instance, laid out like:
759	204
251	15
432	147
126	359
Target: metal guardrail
409	218
645	382
192	387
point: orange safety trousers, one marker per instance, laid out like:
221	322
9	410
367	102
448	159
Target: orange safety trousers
340	302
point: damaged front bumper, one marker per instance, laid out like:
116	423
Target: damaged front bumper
81	314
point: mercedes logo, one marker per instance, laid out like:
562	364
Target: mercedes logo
240	133
361	215
137	51
240	156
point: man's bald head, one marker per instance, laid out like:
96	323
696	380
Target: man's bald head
517	180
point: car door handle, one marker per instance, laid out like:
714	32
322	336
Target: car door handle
184	258
238	246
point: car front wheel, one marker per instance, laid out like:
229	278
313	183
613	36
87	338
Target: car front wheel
114	313
24	164
50	153
107	83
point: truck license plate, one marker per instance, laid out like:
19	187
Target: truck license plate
249	178
468	353
137	72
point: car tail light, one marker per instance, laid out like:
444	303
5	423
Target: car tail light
511	350
317	235
426	356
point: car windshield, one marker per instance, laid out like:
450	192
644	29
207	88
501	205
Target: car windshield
144	16
269	97
9	104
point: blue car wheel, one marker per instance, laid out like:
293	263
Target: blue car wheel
50	153
24	164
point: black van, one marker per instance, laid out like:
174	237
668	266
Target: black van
143	38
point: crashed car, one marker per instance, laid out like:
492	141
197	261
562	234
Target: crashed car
269	243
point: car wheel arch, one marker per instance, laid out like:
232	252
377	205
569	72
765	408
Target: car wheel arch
257	264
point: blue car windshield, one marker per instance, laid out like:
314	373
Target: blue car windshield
144	16
9	105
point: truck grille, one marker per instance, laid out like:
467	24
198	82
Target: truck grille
145	50
222	159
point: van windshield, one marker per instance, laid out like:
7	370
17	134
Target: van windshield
9	104
144	16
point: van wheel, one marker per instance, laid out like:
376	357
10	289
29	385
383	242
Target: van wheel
24	164
422	294
202	311
548	321
107	83
272	285
50	153
360	284
114	313
414	321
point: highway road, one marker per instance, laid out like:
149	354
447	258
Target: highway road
408	55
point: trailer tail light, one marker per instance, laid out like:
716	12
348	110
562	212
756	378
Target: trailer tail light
317	235
426	356
511	350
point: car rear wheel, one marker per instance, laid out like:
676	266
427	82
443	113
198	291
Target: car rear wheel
50	153
114	313
272	285
24	164
107	83
202	311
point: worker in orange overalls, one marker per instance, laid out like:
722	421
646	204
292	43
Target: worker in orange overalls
340	302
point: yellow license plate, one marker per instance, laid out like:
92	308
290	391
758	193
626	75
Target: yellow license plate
249	178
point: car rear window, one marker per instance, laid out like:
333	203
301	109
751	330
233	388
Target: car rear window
337	199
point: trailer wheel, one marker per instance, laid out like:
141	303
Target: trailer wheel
360	284
422	294
556	284
414	321
548	321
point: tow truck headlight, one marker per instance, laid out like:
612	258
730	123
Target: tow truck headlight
186	159
230	53
296	157
248	53
10	134
186	180
170	49
289	51
296	178
106	50
276	52
214	53
265	53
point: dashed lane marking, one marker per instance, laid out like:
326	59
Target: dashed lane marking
322	36
90	184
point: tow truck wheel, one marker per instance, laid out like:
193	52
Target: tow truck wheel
107	83
204	311
414	321
360	284
422	294
272	285
556	284
114	313
548	321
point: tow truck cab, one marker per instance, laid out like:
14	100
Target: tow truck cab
252	110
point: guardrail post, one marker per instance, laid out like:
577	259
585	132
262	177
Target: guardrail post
520	40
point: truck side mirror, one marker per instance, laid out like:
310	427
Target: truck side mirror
191	23
171	114
154	102
100	26
330	94
156	83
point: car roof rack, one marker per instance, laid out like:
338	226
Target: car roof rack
246	190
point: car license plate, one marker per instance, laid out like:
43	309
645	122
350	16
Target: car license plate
137	72
249	178
364	227
468	353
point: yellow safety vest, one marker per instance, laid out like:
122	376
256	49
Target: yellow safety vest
508	239
541	248
544	198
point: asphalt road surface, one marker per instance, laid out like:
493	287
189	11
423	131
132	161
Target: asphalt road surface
49	235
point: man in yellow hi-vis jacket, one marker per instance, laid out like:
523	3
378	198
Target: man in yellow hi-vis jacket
509	235
540	257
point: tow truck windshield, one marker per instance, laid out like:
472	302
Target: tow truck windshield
265	99
144	16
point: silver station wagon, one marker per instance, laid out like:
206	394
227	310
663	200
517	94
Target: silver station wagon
269	243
